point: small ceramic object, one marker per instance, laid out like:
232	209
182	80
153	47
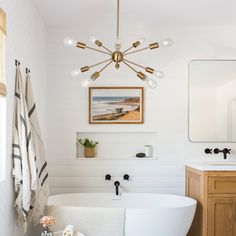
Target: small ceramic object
69	230
140	155
148	150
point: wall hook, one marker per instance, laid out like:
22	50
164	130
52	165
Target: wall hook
27	70
17	63
126	177
108	177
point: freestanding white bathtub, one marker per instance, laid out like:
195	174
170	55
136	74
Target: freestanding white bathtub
145	214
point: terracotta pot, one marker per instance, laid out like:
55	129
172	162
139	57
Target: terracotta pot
89	151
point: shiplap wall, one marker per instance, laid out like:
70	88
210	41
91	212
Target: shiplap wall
88	176
166	108
26	41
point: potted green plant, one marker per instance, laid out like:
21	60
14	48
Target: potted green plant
89	147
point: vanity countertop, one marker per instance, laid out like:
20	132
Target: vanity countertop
212	166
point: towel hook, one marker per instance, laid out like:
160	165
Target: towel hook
17	63
27	70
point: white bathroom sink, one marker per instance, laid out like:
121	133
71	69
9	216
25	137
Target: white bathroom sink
213	166
222	163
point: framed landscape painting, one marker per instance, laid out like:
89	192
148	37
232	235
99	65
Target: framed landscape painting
116	105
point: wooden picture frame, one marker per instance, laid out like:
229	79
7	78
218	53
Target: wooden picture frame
116	105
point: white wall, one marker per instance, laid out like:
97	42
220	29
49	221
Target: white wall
166	107
26	41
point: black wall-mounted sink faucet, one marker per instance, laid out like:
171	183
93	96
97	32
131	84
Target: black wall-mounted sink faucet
225	151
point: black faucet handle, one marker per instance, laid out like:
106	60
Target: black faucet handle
227	150
208	151
108	177
126	177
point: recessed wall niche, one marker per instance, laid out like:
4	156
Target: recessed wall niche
119	145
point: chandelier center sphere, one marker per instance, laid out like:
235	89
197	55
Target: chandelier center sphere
117	56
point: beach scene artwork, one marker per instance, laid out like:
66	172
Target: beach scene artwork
116	105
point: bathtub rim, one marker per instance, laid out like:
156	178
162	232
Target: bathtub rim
191	201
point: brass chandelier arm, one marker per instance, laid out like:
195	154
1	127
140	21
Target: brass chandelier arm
135	64
107	49
127	49
134	45
100	44
140	74
97	50
130	66
139	50
99	63
105	67
147	69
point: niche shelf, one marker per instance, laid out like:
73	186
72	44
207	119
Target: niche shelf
119	145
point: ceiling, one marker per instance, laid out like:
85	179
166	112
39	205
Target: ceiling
75	13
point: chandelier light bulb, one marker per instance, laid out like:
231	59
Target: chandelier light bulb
92	39
166	43
75	73
118	41
70	42
158	74
87	82
151	83
118	44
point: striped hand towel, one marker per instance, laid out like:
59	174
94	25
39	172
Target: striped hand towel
24	169
42	192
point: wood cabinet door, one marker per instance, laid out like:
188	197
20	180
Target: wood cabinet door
222	184
221	216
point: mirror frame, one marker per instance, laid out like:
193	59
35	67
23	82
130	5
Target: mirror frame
189	139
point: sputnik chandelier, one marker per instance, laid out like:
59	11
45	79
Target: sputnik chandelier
118	56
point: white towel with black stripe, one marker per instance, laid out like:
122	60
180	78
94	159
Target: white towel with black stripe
41	197
24	167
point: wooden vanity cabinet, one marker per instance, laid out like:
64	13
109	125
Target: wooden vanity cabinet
215	192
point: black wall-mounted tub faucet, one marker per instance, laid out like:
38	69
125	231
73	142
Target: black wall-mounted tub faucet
117	184
225	151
